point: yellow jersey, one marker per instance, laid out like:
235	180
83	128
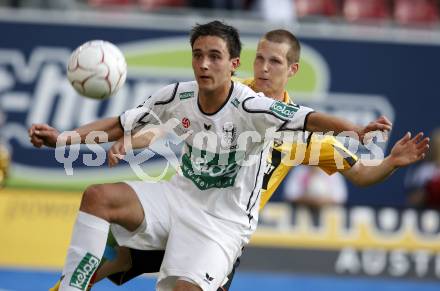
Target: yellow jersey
325	152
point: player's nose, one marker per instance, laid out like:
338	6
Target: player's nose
204	63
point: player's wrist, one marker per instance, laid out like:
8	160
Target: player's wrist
392	162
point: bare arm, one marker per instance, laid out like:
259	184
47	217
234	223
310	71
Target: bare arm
405	152
322	122
141	139
110	126
43	134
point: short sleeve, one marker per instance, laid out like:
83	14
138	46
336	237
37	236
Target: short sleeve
329	154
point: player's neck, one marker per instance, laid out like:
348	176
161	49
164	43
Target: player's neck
279	95
210	101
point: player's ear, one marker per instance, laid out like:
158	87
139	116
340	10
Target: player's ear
235	62
293	69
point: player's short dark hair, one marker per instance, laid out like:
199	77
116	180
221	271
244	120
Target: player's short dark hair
217	28
284	36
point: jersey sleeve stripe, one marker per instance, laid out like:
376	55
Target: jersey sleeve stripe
347	157
171	98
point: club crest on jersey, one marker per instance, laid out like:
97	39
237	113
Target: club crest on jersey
186	95
283	110
229	134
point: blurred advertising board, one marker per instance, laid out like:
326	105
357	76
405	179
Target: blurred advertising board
361	241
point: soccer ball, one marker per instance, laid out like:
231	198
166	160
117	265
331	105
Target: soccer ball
97	69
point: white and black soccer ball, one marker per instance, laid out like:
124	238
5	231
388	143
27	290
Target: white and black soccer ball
97	69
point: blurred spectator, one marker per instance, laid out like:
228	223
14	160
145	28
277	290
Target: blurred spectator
280	11
154	4
312	187
316	7
361	10
423	182
416	11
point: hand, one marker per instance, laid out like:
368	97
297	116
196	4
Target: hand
116	153
407	151
382	124
43	134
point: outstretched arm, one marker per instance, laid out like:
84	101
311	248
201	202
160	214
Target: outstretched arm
322	122
43	134
405	152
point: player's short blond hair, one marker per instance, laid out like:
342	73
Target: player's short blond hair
285	36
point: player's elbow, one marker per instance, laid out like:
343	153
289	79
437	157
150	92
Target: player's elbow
358	176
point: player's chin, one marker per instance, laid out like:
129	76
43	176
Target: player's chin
260	83
206	85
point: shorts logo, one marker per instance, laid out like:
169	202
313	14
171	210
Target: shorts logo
283	110
185	122
186	95
83	273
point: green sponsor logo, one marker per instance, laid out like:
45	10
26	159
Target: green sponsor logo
235	102
83	273
211	170
186	95
283	110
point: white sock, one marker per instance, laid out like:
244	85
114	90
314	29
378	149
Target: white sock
86	248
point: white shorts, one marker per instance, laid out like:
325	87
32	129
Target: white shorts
197	245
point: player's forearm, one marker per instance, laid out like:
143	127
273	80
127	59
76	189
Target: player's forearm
321	122
110	126
365	175
146	136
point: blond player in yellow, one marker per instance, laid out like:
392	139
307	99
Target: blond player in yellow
276	61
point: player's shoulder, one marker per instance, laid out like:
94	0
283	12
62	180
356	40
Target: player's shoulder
241	89
174	92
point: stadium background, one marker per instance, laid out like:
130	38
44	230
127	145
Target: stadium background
356	71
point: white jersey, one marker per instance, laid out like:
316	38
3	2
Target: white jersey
222	162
